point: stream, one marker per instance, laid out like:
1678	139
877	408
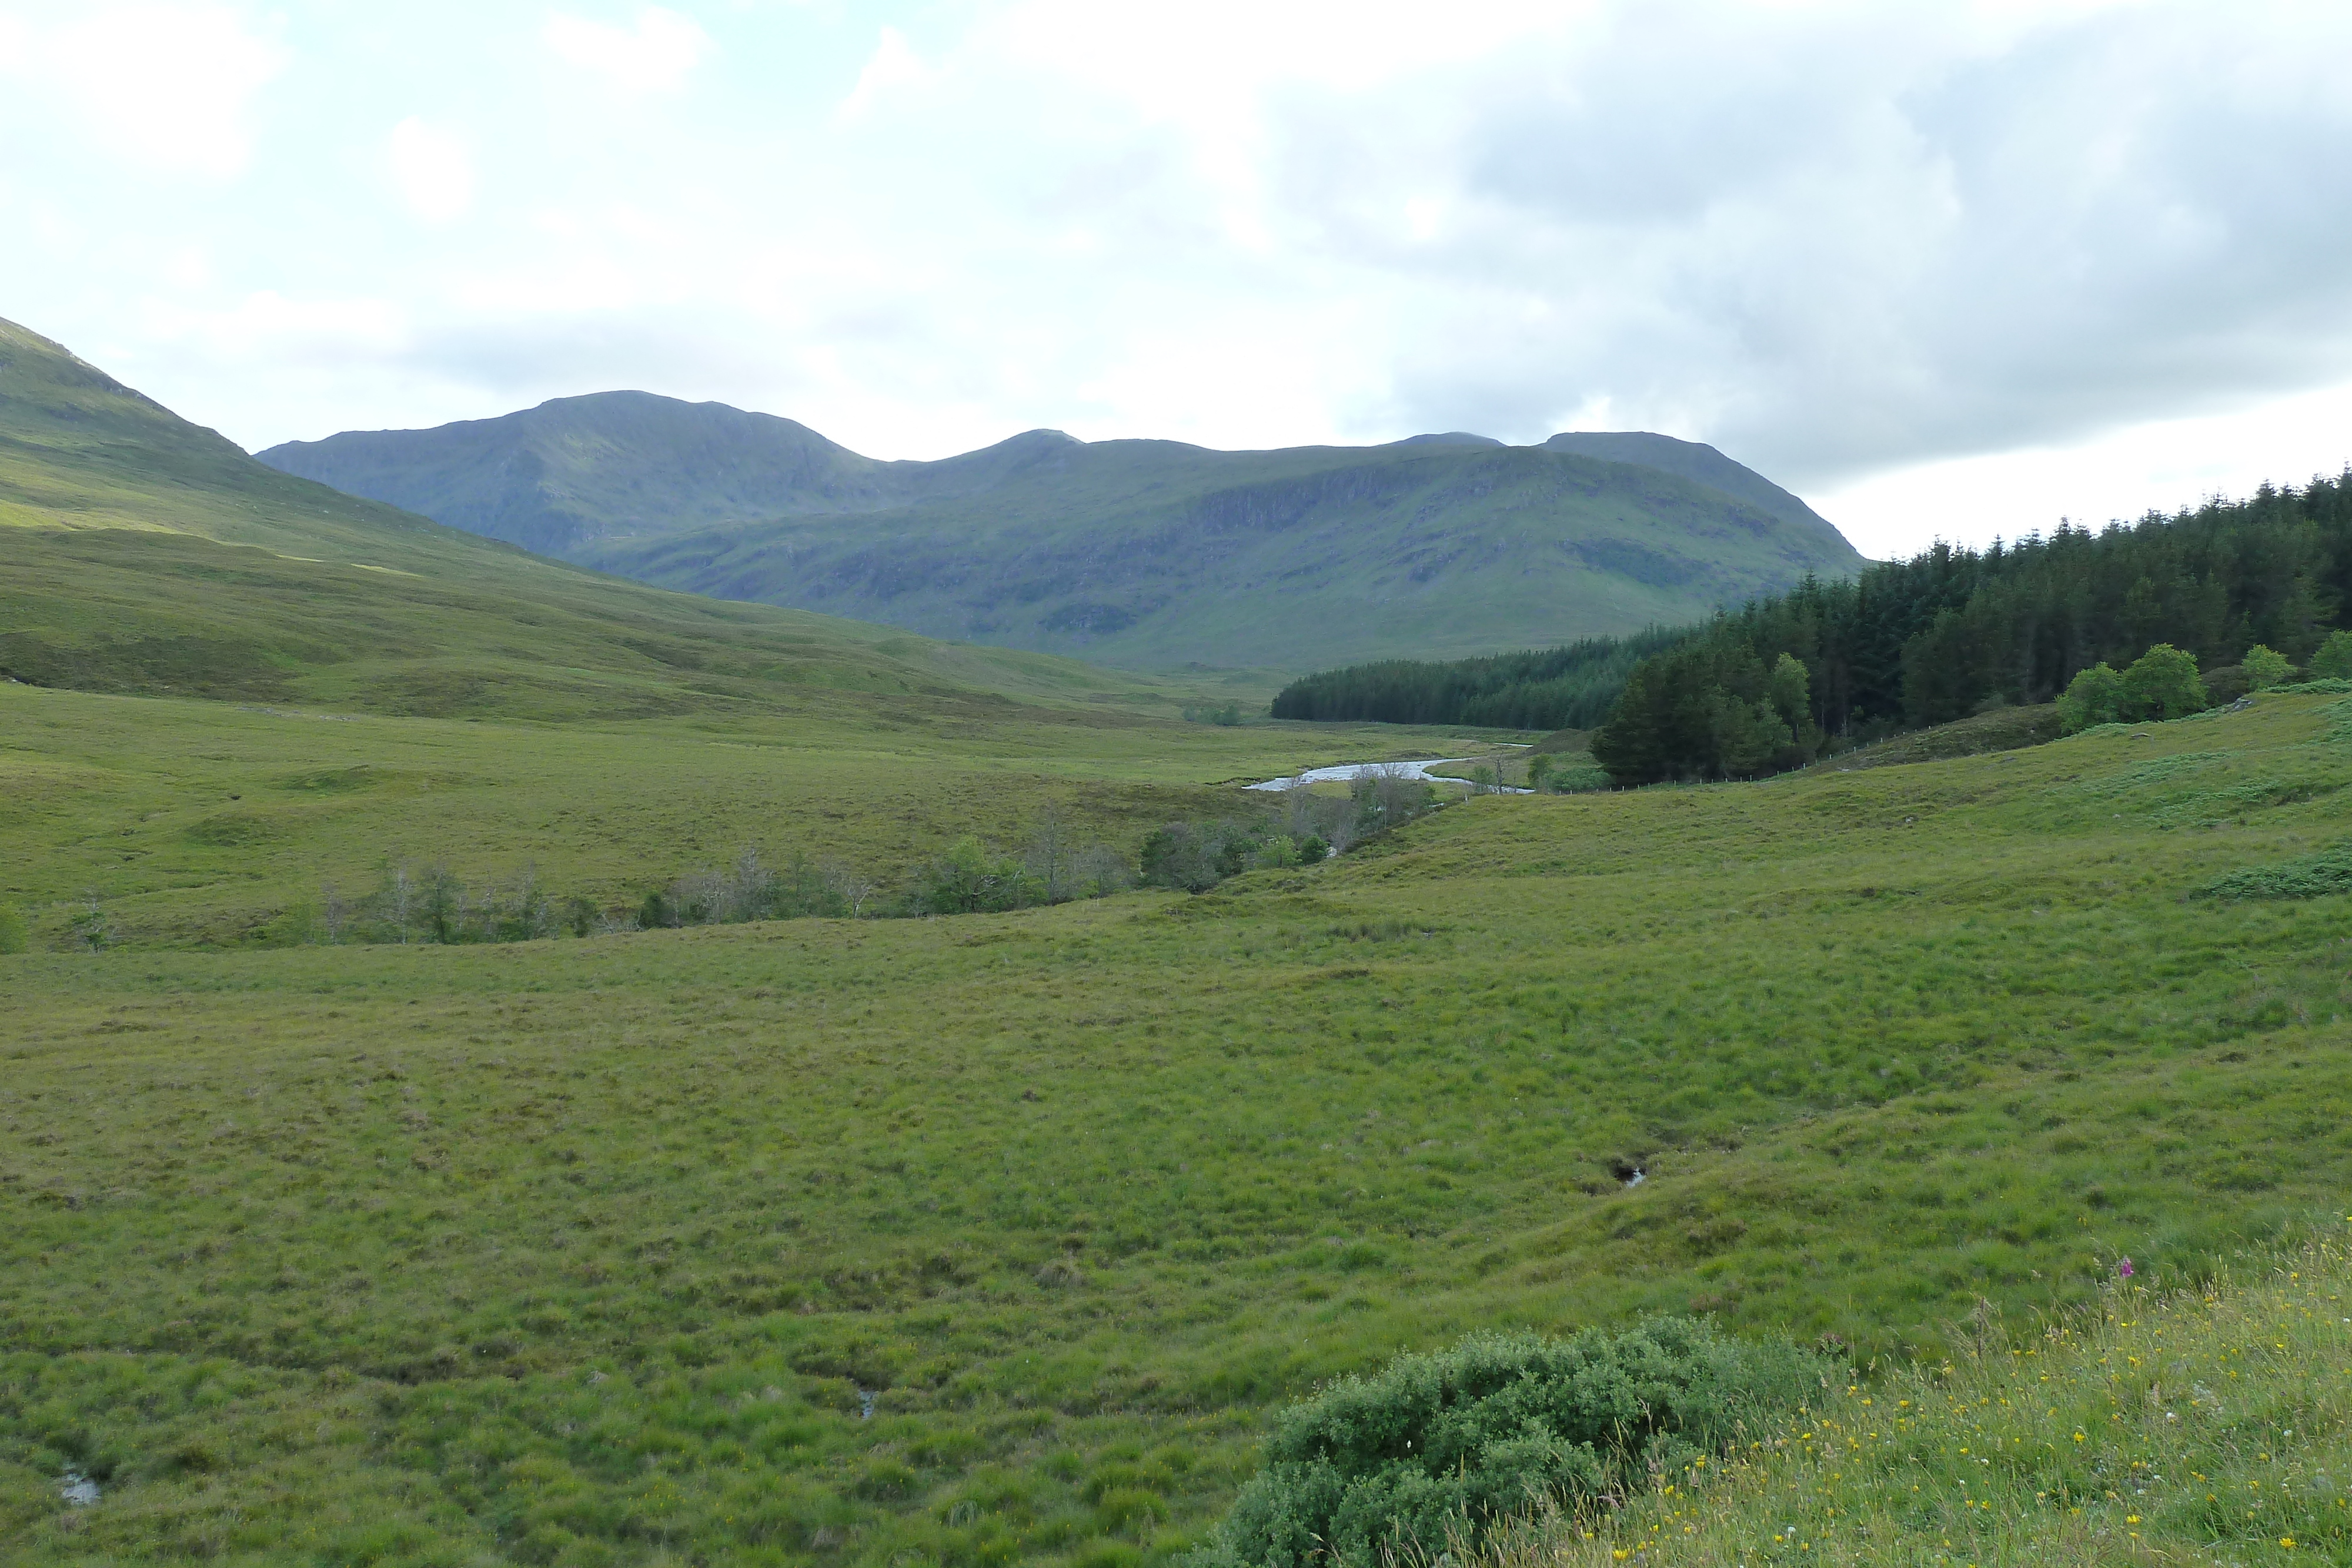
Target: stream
1416	771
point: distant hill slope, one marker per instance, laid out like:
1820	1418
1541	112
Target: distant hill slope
1139	553
141	554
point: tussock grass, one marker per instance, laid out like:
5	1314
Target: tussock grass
443	1255
2204	1425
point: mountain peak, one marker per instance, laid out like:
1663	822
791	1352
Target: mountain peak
1448	438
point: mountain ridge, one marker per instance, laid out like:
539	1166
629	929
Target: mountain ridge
1136	553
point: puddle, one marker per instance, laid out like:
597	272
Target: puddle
866	1398
78	1490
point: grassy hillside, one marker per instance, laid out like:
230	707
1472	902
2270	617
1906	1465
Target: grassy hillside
141	554
2211	1425
1137	555
1144	554
991	1238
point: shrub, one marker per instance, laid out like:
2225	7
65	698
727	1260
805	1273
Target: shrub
15	931
2265	668
2096	696
1447	1445
89	927
969	879
1226	713
2334	660
2162	684
1193	857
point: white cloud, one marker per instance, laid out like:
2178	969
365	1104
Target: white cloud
167	87
652	56
893	68
2160	466
1867	249
265	328
434	169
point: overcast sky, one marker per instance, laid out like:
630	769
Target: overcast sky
1940	270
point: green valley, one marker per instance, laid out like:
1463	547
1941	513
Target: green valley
1002	1237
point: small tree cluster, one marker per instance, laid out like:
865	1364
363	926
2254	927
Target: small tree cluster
750	889
435	905
1193	857
1225	713
2161	683
1056	866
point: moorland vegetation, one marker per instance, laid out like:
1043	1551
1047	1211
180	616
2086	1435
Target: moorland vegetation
573	1250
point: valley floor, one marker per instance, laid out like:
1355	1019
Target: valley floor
994	1238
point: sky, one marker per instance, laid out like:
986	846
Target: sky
1945	270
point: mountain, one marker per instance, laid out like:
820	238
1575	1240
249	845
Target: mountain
1692	460
1147	554
141	554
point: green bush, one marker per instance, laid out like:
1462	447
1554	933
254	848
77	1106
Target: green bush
2266	667
2096	696
15	931
970	879
1443	1446
2334	660
2163	683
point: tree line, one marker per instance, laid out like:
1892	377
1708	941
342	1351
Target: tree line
1567	688
1951	631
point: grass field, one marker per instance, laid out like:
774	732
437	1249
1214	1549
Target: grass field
994	1238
